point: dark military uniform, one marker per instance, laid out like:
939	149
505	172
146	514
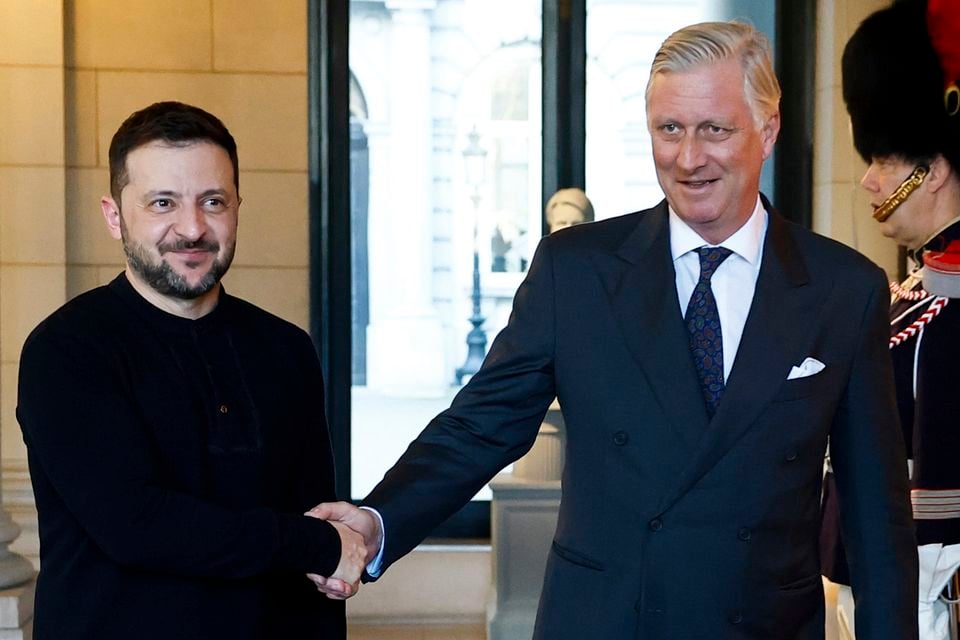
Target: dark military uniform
928	400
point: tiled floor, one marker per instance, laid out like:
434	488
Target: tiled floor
416	632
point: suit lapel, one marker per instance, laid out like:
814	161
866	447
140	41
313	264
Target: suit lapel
640	284
777	326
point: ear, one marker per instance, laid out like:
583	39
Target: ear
769	133
940	173
111	213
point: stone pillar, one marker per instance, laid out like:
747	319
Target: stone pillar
841	206
32	245
409	330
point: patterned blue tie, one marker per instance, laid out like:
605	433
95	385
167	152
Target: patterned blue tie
703	323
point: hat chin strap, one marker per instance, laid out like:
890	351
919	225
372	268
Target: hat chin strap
951	99
908	186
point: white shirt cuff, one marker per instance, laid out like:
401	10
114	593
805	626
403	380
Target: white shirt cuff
375	568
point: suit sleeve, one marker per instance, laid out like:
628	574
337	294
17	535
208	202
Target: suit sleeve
869	464
92	468
492	421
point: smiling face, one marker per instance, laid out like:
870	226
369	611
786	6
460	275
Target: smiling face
707	146
177	219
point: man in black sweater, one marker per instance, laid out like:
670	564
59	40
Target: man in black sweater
176	434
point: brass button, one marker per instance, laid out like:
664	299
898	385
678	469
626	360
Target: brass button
224	409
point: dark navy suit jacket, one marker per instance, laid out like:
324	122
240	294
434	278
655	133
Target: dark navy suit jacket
673	526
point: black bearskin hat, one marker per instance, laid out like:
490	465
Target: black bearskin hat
893	86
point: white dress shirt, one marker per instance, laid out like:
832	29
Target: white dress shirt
733	282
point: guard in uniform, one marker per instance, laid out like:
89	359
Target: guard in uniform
900	73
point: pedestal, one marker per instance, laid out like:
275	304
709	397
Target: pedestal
544	461
16	612
17	586
523	521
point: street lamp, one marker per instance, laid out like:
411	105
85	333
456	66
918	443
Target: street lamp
475	165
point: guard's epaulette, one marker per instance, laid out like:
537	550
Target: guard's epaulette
941	271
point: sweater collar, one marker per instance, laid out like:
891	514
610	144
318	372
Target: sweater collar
164	320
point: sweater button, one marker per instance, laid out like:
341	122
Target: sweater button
792	455
744	534
735	618
620	438
655	525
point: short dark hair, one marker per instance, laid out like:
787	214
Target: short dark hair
174	123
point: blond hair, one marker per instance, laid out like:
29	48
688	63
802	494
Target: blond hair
711	42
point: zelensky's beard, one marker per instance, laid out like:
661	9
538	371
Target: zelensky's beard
161	276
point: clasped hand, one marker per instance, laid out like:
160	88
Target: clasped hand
360	538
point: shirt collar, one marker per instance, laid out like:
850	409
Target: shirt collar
746	242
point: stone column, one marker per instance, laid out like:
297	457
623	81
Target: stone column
840	204
409	331
32	240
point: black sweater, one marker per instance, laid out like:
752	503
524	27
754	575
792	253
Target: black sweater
172	460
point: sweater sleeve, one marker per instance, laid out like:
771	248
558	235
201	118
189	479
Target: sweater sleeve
90	457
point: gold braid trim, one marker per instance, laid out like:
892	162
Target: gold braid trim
888	206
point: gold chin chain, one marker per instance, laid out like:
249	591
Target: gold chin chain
888	206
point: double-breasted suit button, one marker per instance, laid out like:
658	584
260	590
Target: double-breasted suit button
792	455
735	618
744	534
620	438
656	524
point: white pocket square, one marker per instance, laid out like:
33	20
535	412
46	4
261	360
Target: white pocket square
809	367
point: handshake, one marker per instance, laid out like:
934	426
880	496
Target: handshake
360	540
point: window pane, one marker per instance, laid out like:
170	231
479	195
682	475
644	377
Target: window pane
445	123
622	38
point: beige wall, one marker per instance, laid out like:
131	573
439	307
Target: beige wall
841	207
32	188
70	72
243	60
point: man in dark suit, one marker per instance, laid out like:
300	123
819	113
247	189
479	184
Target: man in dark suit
703	352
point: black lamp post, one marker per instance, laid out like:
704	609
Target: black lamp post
475	158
